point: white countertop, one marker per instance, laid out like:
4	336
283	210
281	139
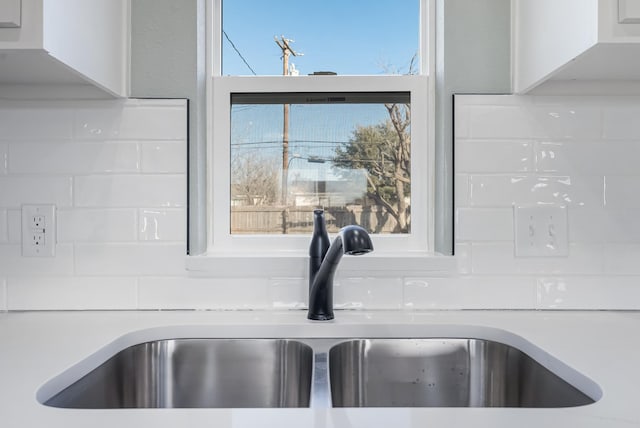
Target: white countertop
36	347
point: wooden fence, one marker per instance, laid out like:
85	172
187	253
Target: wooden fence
293	220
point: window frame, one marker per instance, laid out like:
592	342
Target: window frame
222	244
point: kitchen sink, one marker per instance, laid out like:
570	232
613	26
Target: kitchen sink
443	373
197	373
319	372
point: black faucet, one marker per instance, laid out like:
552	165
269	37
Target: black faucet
352	240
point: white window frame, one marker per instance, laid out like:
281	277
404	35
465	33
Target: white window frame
281	254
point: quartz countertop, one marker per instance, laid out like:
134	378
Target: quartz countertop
36	347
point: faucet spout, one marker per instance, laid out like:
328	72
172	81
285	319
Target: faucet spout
351	240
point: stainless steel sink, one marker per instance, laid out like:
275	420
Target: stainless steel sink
319	372
443	373
188	373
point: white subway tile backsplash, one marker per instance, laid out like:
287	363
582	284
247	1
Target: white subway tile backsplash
368	293
18	190
484	224
202	293
499	190
130	259
493	157
500	122
461	190
97	225
4	227
102	163
498	292
461	121
620	158
164	156
289	293
13	264
116	169
622	258
586	152
4	147
35	121
587	224
621	122
73	158
568	157
130	191
580	292
133	120
588	158
99	120
506	190
3	294
471	101
566	121
604	226
14	226
621	192
72	293
163	224
462	252
618	226
499	259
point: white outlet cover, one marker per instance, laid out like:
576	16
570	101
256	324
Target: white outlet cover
541	230
38	236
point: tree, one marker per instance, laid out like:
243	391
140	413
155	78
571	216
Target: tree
254	179
384	150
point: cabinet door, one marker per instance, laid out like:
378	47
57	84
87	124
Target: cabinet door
10	13
629	11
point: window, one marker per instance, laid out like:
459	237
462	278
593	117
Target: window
348	131
348	153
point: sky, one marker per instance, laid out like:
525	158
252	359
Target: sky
349	37
343	36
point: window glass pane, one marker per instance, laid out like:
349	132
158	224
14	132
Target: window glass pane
347	37
348	153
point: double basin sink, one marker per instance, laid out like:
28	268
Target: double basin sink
259	373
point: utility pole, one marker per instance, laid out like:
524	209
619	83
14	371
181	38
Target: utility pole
287	51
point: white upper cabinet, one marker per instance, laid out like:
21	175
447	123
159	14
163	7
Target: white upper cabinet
560	41
629	12
64	48
10	13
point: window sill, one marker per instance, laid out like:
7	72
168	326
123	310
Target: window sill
294	265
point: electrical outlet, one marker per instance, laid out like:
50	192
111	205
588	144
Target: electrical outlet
541	231
38	239
37	221
38	230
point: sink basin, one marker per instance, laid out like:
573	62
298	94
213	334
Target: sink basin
318	373
443	373
196	373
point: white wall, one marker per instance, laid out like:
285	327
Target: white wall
168	52
471	35
116	171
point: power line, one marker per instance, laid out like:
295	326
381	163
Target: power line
298	142
238	52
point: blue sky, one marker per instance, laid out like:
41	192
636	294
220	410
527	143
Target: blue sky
344	36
